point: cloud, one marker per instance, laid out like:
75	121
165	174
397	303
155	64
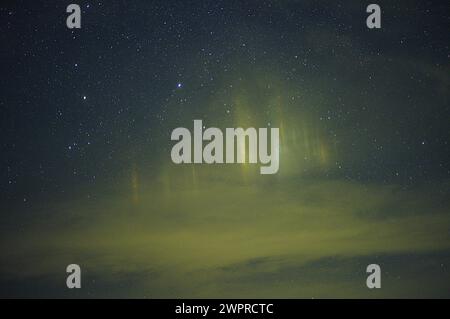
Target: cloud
224	238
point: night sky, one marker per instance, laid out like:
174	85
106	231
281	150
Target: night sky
86	175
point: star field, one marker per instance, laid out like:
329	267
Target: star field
364	162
